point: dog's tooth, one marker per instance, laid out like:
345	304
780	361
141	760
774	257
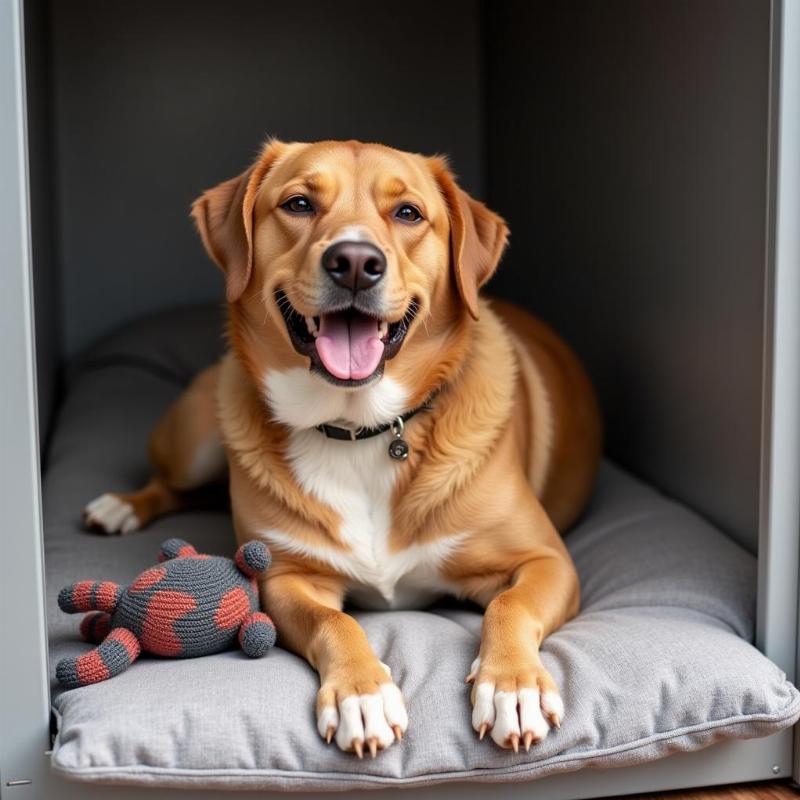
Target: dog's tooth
312	326
383	329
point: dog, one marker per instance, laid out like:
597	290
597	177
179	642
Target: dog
389	433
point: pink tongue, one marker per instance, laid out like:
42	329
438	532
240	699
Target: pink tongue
349	346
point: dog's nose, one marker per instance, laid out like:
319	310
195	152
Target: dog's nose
354	265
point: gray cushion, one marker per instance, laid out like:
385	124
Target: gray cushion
658	660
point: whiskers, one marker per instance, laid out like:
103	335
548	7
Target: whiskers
282	301
279	298
425	325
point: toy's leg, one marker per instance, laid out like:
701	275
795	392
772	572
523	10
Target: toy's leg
89	596
253	558
257	634
175	548
113	655
95	626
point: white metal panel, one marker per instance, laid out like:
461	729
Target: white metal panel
24	702
779	546
779	606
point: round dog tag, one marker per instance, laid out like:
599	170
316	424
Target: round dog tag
398	448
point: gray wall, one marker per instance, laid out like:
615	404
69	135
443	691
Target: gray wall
625	141
628	150
47	297
155	101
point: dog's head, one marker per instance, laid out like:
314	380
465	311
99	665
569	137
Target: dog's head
349	259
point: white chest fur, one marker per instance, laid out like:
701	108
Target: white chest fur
357	479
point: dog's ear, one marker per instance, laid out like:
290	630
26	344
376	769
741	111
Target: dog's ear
224	219
478	236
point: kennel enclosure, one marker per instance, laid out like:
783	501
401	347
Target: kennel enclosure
647	160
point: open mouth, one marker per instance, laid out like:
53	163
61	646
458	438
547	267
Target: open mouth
348	347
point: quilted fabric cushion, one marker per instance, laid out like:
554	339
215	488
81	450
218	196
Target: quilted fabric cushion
657	661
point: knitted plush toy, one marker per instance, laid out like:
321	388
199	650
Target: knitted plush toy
191	605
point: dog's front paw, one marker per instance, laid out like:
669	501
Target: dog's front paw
361	707
515	700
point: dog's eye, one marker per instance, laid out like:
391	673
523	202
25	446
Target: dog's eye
298	205
408	213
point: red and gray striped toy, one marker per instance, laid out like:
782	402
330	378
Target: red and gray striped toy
189	605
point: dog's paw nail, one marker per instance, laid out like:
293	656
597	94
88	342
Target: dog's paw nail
553	708
398	732
358	747
327	723
513	741
527	740
372	744
483	711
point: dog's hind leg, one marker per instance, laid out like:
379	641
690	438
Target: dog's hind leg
187	454
125	512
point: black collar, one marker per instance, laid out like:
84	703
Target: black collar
396	426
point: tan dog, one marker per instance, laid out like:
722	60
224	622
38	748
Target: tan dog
352	274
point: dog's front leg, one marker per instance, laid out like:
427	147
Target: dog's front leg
358	704
513	695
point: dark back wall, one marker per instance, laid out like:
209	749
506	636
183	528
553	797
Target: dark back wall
155	101
628	146
625	141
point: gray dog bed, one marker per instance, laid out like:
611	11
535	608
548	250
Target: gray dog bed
659	659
